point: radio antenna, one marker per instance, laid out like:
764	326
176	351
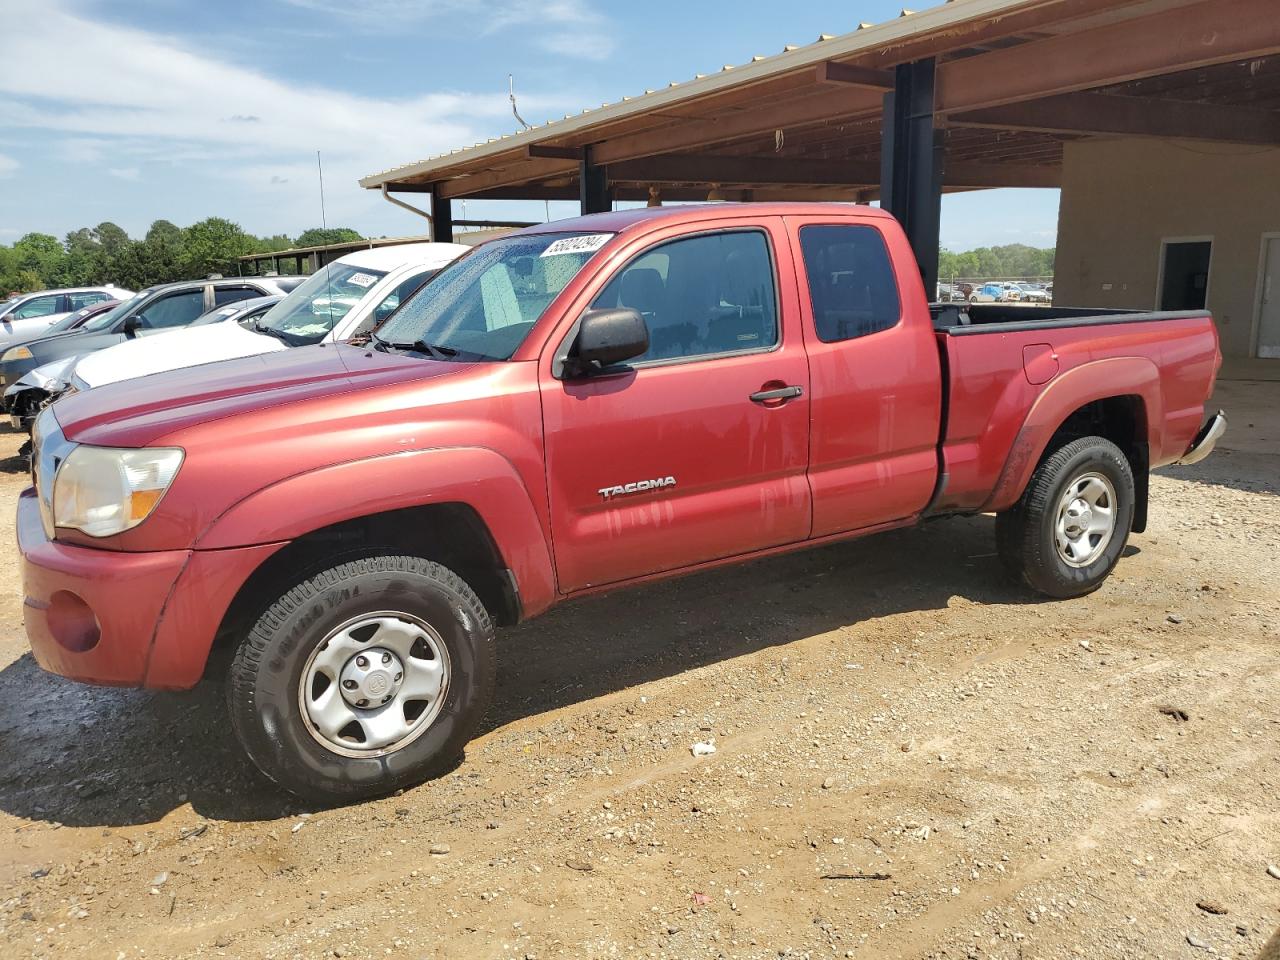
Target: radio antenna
511	88
320	170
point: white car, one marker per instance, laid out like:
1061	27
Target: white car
341	300
27	316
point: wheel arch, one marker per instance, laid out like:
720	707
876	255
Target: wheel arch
465	508
1118	399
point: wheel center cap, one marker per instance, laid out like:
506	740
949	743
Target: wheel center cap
371	678
1079	516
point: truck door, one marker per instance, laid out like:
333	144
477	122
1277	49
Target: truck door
875	376
698	450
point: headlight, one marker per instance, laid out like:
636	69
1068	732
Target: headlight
15	353
105	490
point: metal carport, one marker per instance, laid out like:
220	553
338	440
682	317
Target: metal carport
970	95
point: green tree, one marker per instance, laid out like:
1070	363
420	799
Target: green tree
28	281
161	255
321	236
42	255
213	245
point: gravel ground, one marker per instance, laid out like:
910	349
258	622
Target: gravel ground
912	759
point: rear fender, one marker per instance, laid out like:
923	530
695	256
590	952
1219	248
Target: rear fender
1063	396
480	478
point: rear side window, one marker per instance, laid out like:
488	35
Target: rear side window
175	310
701	296
223	295
78	300
851	282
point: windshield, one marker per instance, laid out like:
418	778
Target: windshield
312	309
105	320
482	306
70	320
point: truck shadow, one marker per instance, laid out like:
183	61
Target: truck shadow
85	756
1250	471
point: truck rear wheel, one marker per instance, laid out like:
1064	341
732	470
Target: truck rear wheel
363	679
1066	533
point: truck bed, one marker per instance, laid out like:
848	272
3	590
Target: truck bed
1001	361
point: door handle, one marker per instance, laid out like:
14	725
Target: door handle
776	395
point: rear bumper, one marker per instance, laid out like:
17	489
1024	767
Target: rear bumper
125	619
1205	440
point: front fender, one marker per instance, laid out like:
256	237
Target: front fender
480	478
1063	396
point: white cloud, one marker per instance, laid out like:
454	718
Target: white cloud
126	173
120	90
7	165
571	28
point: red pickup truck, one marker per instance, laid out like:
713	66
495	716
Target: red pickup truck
572	408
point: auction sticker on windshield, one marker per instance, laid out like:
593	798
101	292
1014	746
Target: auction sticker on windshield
586	243
362	280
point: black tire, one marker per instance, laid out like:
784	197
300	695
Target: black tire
263	682
1025	533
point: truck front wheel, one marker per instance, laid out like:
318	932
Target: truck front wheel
1067	532
363	679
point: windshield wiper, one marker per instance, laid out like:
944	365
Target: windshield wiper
259	328
436	351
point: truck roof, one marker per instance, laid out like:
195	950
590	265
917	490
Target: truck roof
397	255
619	220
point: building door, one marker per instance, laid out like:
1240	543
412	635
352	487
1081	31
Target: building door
1184	274
1269	308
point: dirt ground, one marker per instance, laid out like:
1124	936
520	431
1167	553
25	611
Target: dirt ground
1098	778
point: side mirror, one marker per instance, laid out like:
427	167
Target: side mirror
606	337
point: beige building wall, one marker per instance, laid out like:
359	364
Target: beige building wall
1120	198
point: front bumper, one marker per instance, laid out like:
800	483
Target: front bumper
1205	440
125	619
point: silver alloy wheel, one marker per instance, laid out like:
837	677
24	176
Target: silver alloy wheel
374	684
1086	519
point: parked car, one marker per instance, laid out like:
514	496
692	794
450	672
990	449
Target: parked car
30	315
159	309
24	398
76	320
347	298
988	293
1032	293
572	408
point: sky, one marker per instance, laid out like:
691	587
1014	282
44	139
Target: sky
136	110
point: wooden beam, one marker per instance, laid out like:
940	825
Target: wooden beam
1207	33
983	176
855	76
831	105
690	168
519	172
1100	113
797	172
545	151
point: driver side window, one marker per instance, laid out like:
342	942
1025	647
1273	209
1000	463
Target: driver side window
39	307
701	296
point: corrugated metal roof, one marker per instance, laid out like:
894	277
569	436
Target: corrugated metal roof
866	39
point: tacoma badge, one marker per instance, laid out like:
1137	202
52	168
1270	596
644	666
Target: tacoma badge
640	486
